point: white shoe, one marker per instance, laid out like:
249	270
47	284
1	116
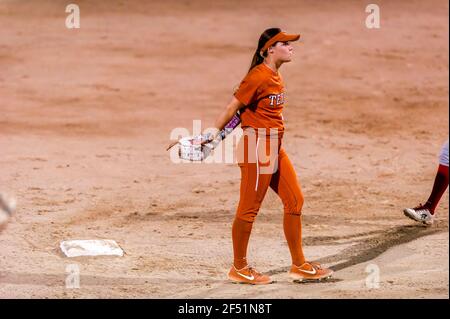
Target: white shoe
420	214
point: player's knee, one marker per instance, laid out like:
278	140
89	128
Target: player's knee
247	211
295	206
248	216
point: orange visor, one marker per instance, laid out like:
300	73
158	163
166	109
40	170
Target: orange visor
280	37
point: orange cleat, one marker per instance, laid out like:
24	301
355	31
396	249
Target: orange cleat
309	272
248	275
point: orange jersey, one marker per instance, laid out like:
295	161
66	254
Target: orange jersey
262	92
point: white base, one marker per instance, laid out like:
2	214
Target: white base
76	248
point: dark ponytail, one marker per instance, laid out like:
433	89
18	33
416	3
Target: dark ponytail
265	36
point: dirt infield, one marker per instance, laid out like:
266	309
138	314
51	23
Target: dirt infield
85	115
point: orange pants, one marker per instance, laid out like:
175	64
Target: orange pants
270	168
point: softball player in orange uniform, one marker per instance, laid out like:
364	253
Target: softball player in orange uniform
260	100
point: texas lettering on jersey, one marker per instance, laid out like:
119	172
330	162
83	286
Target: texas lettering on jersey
276	99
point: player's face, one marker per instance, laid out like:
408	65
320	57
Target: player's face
282	51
